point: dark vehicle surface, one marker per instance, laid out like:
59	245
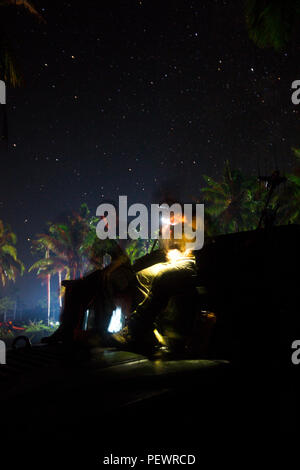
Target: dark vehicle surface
252	283
101	399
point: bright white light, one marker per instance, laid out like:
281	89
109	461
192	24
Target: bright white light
175	255
166	221
115	324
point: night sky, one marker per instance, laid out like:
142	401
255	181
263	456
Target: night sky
131	97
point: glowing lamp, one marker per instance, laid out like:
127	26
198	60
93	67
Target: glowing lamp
115	323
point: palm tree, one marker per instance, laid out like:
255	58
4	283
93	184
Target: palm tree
10	265
69	248
271	23
8	67
48	290
46	268
23	3
135	249
288	199
231	202
70	241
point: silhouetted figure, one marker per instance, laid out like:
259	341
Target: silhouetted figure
98	287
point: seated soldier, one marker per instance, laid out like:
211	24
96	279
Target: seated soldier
155	285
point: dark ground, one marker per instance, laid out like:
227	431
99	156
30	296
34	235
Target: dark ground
88	405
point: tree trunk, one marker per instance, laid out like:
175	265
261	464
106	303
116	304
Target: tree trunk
48	292
59	289
49	298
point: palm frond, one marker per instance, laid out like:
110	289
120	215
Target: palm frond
270	23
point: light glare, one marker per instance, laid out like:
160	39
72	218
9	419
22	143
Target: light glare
115	324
